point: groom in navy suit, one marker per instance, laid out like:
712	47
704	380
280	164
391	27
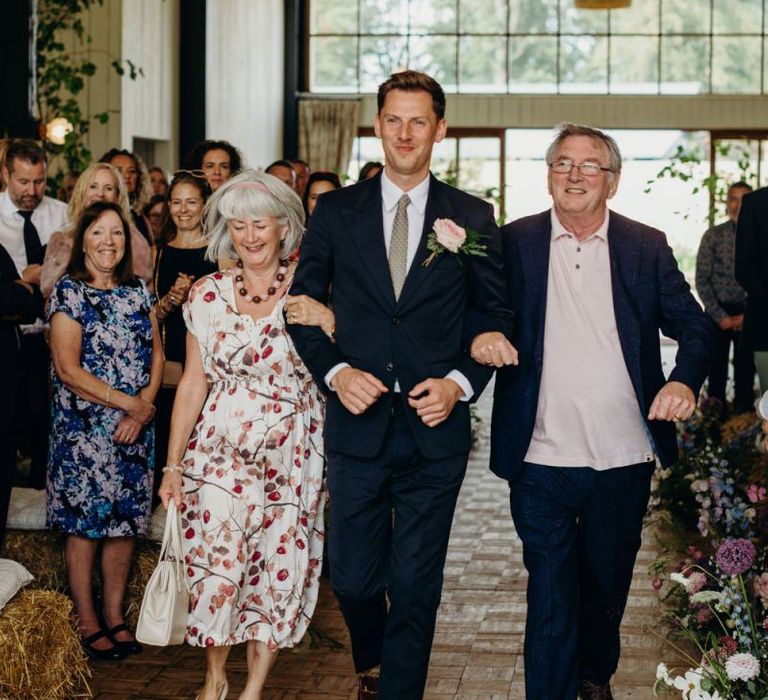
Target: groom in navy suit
399	379
579	423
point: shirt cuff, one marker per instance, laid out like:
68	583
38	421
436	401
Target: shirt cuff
461	380
332	372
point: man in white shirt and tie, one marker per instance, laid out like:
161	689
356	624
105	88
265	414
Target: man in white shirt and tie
27	220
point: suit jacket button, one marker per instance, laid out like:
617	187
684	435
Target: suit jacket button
389	367
395	320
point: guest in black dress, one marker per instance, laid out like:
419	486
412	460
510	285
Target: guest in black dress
19	303
180	260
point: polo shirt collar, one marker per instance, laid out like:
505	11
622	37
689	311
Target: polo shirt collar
558	230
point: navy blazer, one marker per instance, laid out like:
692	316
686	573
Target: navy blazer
649	294
752	267
414	338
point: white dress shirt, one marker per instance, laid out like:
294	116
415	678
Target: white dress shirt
390	196
48	217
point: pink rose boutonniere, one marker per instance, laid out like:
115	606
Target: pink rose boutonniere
448	235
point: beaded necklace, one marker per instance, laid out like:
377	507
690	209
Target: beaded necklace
243	292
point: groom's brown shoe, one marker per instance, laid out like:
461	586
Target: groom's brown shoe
593	691
368	687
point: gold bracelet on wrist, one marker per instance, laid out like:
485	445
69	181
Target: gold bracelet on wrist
109	393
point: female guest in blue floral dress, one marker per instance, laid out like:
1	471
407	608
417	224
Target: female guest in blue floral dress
108	365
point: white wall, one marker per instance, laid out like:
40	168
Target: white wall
244	77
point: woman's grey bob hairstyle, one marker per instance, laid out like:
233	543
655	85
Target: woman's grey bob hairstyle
251	195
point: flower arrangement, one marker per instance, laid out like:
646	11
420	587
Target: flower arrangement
448	236
716	598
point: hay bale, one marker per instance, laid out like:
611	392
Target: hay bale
41	552
42	656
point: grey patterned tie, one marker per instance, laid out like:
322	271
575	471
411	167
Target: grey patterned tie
398	245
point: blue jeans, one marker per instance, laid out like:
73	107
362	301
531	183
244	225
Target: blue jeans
581	532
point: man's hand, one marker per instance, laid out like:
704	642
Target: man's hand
738	322
675	401
357	390
31	274
493	349
731	323
434	399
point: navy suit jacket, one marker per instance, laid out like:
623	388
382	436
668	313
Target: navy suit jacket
414	338
649	294
752	266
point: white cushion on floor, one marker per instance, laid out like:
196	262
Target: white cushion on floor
26	510
12	577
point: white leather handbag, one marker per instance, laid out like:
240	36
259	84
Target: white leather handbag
164	609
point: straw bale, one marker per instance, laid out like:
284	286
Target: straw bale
41	552
42	656
144	563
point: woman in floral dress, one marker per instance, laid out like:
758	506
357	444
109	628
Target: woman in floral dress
245	453
108	365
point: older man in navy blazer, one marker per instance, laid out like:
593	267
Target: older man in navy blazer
579	423
399	378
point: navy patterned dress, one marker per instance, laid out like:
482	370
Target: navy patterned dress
96	487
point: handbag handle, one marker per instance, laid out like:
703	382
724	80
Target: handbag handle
170	548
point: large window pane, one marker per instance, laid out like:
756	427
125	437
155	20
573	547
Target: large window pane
737	16
379	58
685	16
576	21
640	17
433	16
634	65
333	62
533	16
684	65
533	64
383	16
333	17
736	64
583	64
435	55
479	171
482	64
482	16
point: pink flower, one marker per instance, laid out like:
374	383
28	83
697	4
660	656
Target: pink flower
742	667
760	587
449	235
696	581
755	493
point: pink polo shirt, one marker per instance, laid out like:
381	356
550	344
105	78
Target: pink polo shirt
587	414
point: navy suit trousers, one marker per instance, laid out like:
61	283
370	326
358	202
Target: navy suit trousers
387	540
581	532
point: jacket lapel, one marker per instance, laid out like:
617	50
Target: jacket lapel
534	246
439	206
625	249
366	225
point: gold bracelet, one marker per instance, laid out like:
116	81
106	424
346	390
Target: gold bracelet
109	392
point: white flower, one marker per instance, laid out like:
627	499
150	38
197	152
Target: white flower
662	674
678	578
742	667
700	485
690	684
707	597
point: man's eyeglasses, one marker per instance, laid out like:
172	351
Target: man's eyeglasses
587	168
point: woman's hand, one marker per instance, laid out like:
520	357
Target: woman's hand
306	311
170	488
141	410
127	431
180	289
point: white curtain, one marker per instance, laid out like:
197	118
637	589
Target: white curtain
244	77
326	131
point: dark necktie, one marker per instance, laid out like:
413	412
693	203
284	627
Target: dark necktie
32	245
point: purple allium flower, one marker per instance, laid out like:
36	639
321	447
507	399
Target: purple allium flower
734	557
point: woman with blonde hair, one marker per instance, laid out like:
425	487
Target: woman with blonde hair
100	182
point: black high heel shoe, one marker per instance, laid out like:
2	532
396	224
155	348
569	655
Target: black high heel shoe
132	647
112	654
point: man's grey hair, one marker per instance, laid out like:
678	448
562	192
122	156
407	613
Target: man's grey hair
251	195
566	129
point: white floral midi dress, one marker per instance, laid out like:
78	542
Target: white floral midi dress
252	518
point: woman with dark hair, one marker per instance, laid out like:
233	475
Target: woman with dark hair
219	160
370	169
318	183
107	363
137	184
154	213
180	261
